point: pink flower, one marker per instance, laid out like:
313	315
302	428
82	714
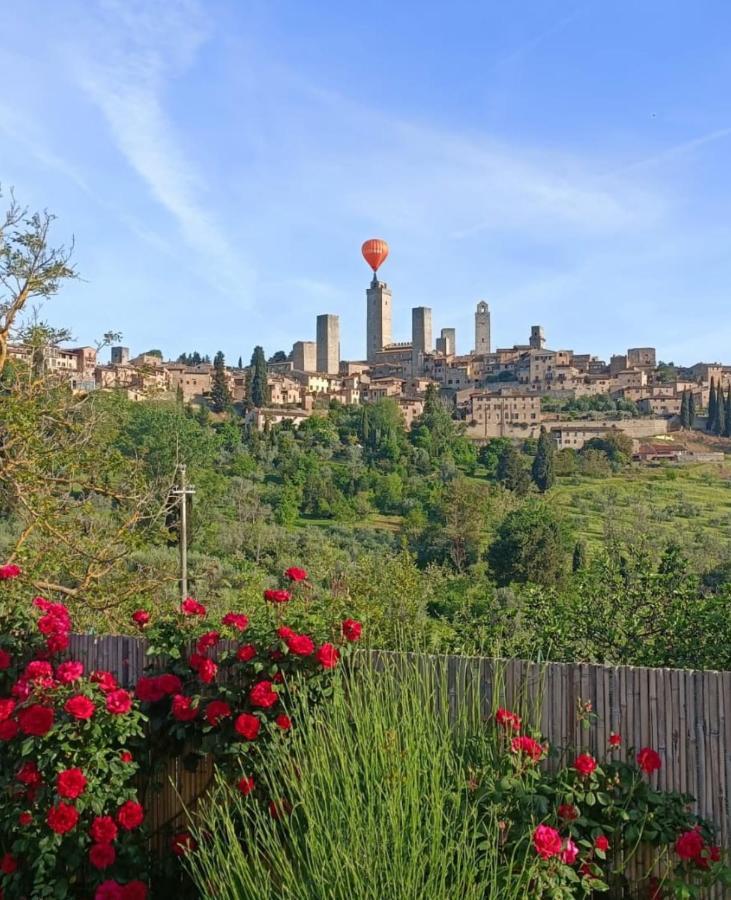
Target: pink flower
7	707
130	815
295	574
649	760
103	830
236	620
182	843
569	853
106	681
547	841
118	702
69	672
328	656
191	607
585	764
134	890
9	571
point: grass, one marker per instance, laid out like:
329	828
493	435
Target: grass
377	782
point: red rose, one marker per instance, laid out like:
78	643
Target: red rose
191	607
278	809
8	864
585	764
9	571
295	574
602	843
106	681
62	818
328	656
245	785
207	641
5	660
217	710
103	830
126	756
277	596
57	643
35	720
134	890
508	720
182	708
28	774
7	708
649	760
141	618
569	852
352	630
689	845
69	672
568	812
182	843
101	856
527	746
236	620
109	890
71	783
169	684
284	722
615	740
547	841
118	702
262	695
25	819
246	653
300	644
8	730
247	726
38	670
80	707
207	671
130	815
149	689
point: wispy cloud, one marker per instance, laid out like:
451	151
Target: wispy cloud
675	152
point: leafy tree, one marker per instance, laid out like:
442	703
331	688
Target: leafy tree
542	471
685	410
436	432
512	472
156	353
258	379
530	546
712	406
489	454
614	443
578	562
220	394
279	357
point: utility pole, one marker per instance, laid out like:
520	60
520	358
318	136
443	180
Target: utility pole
183	491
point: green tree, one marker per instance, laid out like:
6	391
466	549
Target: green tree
220	394
578	562
685	410
712	404
719	418
691	409
512	472
727	411
241	363
258	379
530	546
615	443
542	471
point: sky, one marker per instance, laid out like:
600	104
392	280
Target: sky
218	164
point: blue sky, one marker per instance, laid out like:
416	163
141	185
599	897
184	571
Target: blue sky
219	163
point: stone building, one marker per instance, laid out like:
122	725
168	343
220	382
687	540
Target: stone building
482	329
304	356
328	344
379	330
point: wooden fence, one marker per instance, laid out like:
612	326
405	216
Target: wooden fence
684	715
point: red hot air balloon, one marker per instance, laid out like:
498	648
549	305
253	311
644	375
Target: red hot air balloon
374	252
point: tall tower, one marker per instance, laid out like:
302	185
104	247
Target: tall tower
537	337
378	326
482	328
447	343
421	339
328	344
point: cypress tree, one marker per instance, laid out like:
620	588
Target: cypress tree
258	378
542	471
719	422
241	363
691	410
727	429
712	403
684	411
578	562
220	395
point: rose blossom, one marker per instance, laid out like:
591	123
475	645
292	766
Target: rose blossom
527	746
71	783
7	707
569	853
109	890
69	672
9	571
62	818
296	574
585	764
217	710
125	756
130	815
328	656
191	607
36	720
602	843
28	774
277	596
247	726
547	841
236	620
182	709
689	845
351	630
80	707
25	819
246	653
262	695
106	681
300	644
508	720
141	618
8	730
118	702
103	830
615	740
649	760
207	641
568	812
284	722
101	856
245	785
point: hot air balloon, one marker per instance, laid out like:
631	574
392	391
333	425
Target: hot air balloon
374	253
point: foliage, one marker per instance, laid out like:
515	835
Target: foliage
530	545
220	394
258	379
542	470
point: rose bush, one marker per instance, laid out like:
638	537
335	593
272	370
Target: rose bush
78	751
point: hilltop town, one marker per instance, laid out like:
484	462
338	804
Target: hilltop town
503	392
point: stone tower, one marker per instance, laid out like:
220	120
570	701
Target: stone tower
537	337
421	339
378	323
328	344
482	328
304	356
447	343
